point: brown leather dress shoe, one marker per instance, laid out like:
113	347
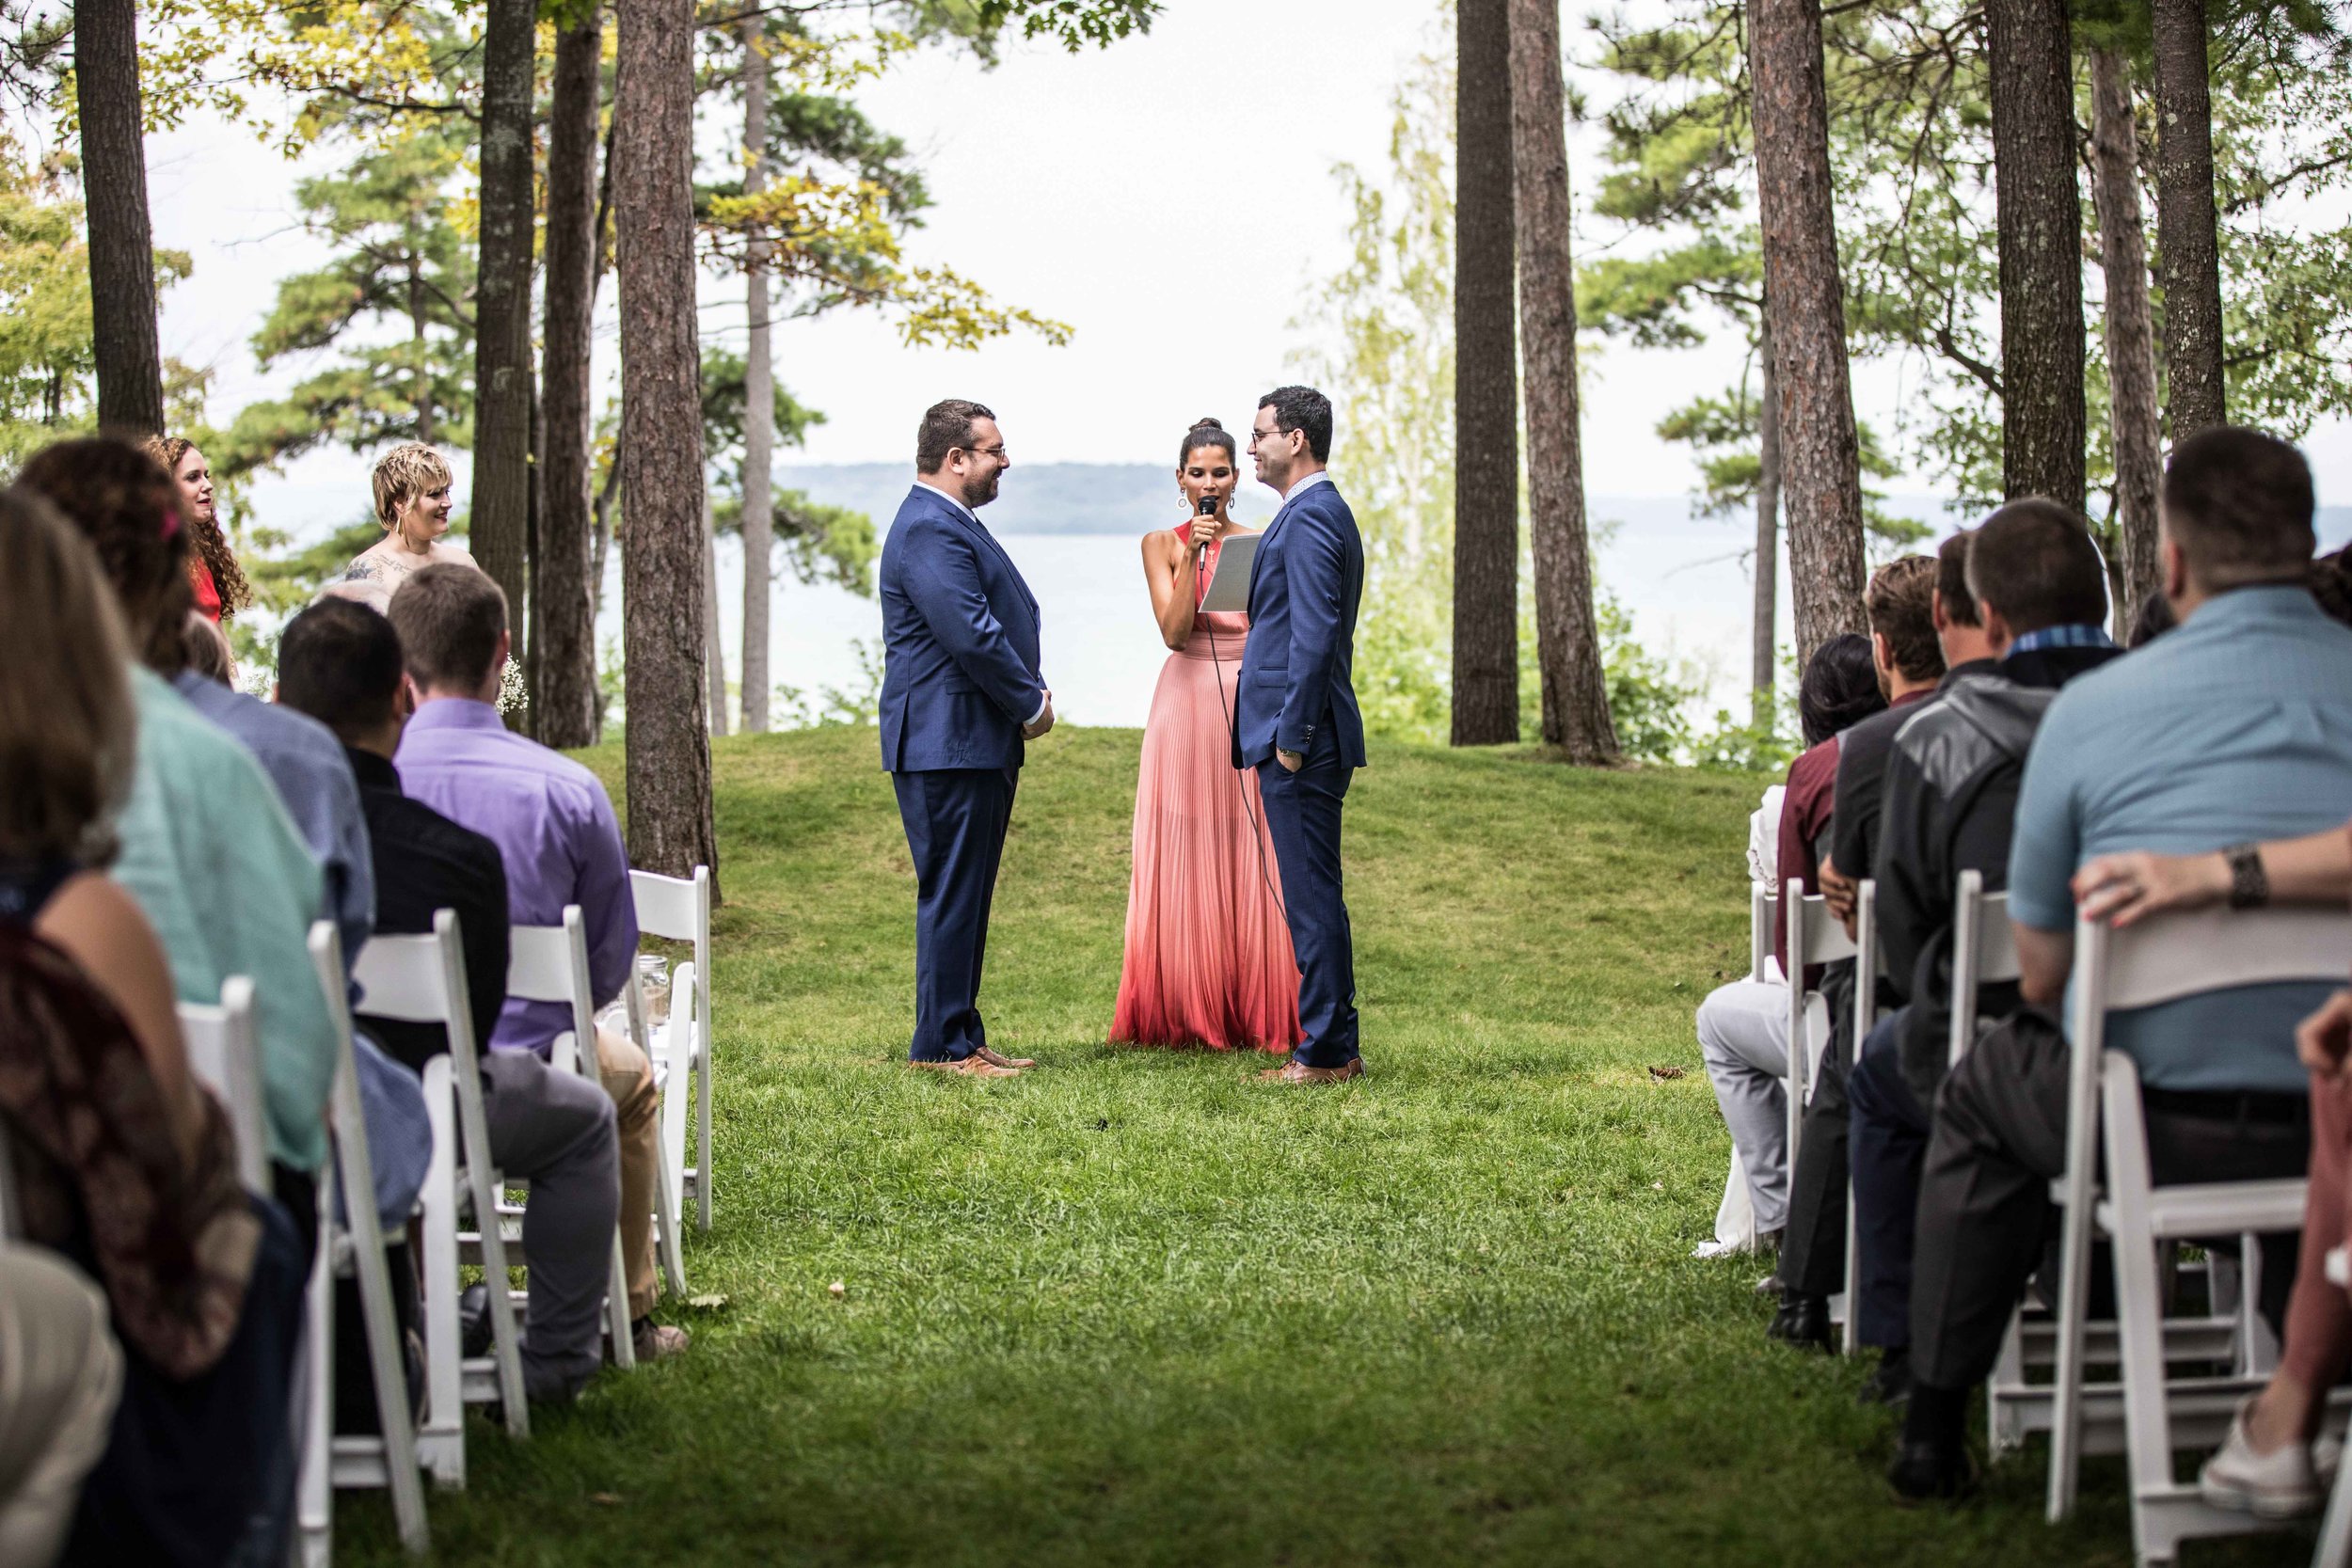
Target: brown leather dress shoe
997	1058
1299	1072
973	1065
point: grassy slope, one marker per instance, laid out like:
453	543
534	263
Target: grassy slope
1134	1308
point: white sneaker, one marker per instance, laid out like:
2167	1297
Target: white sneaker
2280	1484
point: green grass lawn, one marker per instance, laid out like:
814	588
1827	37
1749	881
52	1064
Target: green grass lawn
1134	1308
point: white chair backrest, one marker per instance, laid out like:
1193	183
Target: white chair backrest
1984	952
2175	955
420	979
549	963
677	908
1763	909
225	1055
1815	935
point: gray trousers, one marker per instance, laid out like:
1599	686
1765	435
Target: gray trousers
60	1375
1743	1038
558	1131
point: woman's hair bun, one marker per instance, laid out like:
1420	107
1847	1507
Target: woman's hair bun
1210	423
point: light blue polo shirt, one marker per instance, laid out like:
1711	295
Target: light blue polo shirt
2234	728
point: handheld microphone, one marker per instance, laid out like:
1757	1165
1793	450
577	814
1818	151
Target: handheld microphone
1208	506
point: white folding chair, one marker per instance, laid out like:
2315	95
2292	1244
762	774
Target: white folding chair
1815	936
226	1057
2164	960
420	979
1984	953
1868	962
1763	911
354	1243
678	910
549	963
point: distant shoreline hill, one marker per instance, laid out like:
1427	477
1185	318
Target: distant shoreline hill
1130	499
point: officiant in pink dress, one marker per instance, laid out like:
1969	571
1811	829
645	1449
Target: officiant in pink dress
1208	959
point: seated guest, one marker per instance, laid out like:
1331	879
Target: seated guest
2225	731
341	663
2039	590
58	1394
208	852
414	498
118	1160
1900	602
1743	1026
214	577
556	831
2267	1465
208	650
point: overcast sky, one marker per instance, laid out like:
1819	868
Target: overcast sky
1169	197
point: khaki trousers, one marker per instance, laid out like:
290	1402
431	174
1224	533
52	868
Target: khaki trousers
628	1077
60	1375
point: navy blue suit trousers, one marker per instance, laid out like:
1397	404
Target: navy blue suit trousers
955	820
1302	814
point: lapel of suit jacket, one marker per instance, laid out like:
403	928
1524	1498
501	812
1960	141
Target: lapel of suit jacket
1266	542
974	525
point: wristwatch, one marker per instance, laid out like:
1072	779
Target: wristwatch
2250	887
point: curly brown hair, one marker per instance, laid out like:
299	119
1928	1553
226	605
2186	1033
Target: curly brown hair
124	503
212	544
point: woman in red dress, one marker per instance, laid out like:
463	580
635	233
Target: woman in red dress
1208	955
220	587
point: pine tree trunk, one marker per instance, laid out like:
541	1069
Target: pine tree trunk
1567	642
2131	333
2038	199
1820	460
565	701
714	643
1486	395
421	369
125	348
502	456
664	607
2187	244
1763	628
760	397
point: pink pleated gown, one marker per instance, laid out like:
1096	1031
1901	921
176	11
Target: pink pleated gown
1209	957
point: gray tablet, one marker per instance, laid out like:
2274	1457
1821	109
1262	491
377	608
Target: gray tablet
1229	588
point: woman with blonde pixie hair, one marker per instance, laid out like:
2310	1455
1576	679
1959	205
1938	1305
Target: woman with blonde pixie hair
413	502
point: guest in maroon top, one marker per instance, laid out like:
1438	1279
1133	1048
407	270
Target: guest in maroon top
1840	688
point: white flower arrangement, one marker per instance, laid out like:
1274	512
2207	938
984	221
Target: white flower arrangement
513	698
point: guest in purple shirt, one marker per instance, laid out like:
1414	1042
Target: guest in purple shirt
554	825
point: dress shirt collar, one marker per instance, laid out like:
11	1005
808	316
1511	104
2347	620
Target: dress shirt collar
2246	607
1321	475
455	713
372	772
951	501
2072	634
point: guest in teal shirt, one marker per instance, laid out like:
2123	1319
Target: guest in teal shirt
207	849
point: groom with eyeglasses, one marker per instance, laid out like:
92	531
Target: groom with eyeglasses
1296	719
960	695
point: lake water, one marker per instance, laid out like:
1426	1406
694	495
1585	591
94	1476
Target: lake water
1684	583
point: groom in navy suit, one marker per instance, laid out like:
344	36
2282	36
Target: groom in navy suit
1296	719
960	694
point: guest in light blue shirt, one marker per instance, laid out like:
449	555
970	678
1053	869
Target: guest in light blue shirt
2236	728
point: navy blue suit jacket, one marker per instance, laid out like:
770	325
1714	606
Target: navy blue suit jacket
960	641
1297	669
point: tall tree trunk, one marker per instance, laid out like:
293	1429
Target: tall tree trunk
2038	199
2187	244
127	353
1567	642
759	395
502	453
670	824
421	370
534	526
1764	624
714	643
1822	462
1486	396
565	701
2131	335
